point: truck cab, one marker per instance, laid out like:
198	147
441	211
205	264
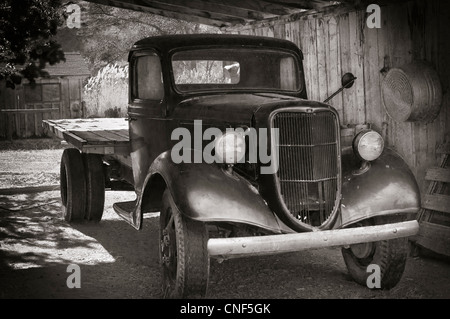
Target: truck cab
225	144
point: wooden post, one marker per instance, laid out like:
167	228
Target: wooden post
9	123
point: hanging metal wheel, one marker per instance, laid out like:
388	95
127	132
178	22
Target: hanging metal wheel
183	253
95	186
72	185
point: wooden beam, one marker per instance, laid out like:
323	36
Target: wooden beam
188	9
303	4
284	19
142	6
211	12
218	8
266	7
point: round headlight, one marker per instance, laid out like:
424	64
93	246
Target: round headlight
230	148
368	145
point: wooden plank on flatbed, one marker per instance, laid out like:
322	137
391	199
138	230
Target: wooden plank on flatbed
95	124
92	138
74	139
100	136
122	133
112	135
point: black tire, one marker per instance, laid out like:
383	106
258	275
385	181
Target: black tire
389	255
95	187
72	185
183	253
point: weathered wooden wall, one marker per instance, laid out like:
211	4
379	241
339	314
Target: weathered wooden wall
335	43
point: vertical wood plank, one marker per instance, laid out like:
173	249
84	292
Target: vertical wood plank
35	121
443	67
321	40
26	133
334	65
10	118
417	22
3	117
384	65
287	31
437	52
356	93
270	32
9	131
305	46
279	31
399	43
18	117
313	60
344	43
65	100
295	26
374	109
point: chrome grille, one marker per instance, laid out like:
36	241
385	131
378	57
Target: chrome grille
308	164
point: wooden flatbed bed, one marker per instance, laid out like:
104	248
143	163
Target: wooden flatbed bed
97	135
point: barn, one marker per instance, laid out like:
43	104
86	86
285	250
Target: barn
399	52
57	96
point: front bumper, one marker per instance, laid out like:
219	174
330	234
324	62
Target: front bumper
226	248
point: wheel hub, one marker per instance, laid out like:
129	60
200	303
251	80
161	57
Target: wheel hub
362	250
166	254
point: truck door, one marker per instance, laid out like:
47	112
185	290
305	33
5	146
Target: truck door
147	125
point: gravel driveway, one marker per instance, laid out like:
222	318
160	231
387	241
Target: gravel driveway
116	261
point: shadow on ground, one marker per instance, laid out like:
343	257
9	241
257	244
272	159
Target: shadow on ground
116	261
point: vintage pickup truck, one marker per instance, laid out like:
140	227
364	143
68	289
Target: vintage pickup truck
221	139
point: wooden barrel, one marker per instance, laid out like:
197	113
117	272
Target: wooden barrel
412	93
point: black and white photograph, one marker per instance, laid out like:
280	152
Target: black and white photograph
225	156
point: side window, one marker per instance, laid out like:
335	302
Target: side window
148	84
288	74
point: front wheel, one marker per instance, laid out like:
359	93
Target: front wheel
389	255
183	253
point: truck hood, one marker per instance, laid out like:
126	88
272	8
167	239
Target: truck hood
238	108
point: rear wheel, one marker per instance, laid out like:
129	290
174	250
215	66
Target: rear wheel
95	186
183	253
72	185
389	255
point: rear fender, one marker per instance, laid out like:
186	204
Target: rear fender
388	187
208	193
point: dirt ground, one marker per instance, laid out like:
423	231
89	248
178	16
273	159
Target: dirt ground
116	261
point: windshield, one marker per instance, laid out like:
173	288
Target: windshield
235	68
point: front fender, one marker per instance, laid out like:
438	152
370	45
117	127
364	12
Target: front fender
388	187
207	193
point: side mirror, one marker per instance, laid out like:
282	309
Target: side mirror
347	81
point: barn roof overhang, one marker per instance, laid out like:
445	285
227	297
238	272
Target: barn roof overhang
236	14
